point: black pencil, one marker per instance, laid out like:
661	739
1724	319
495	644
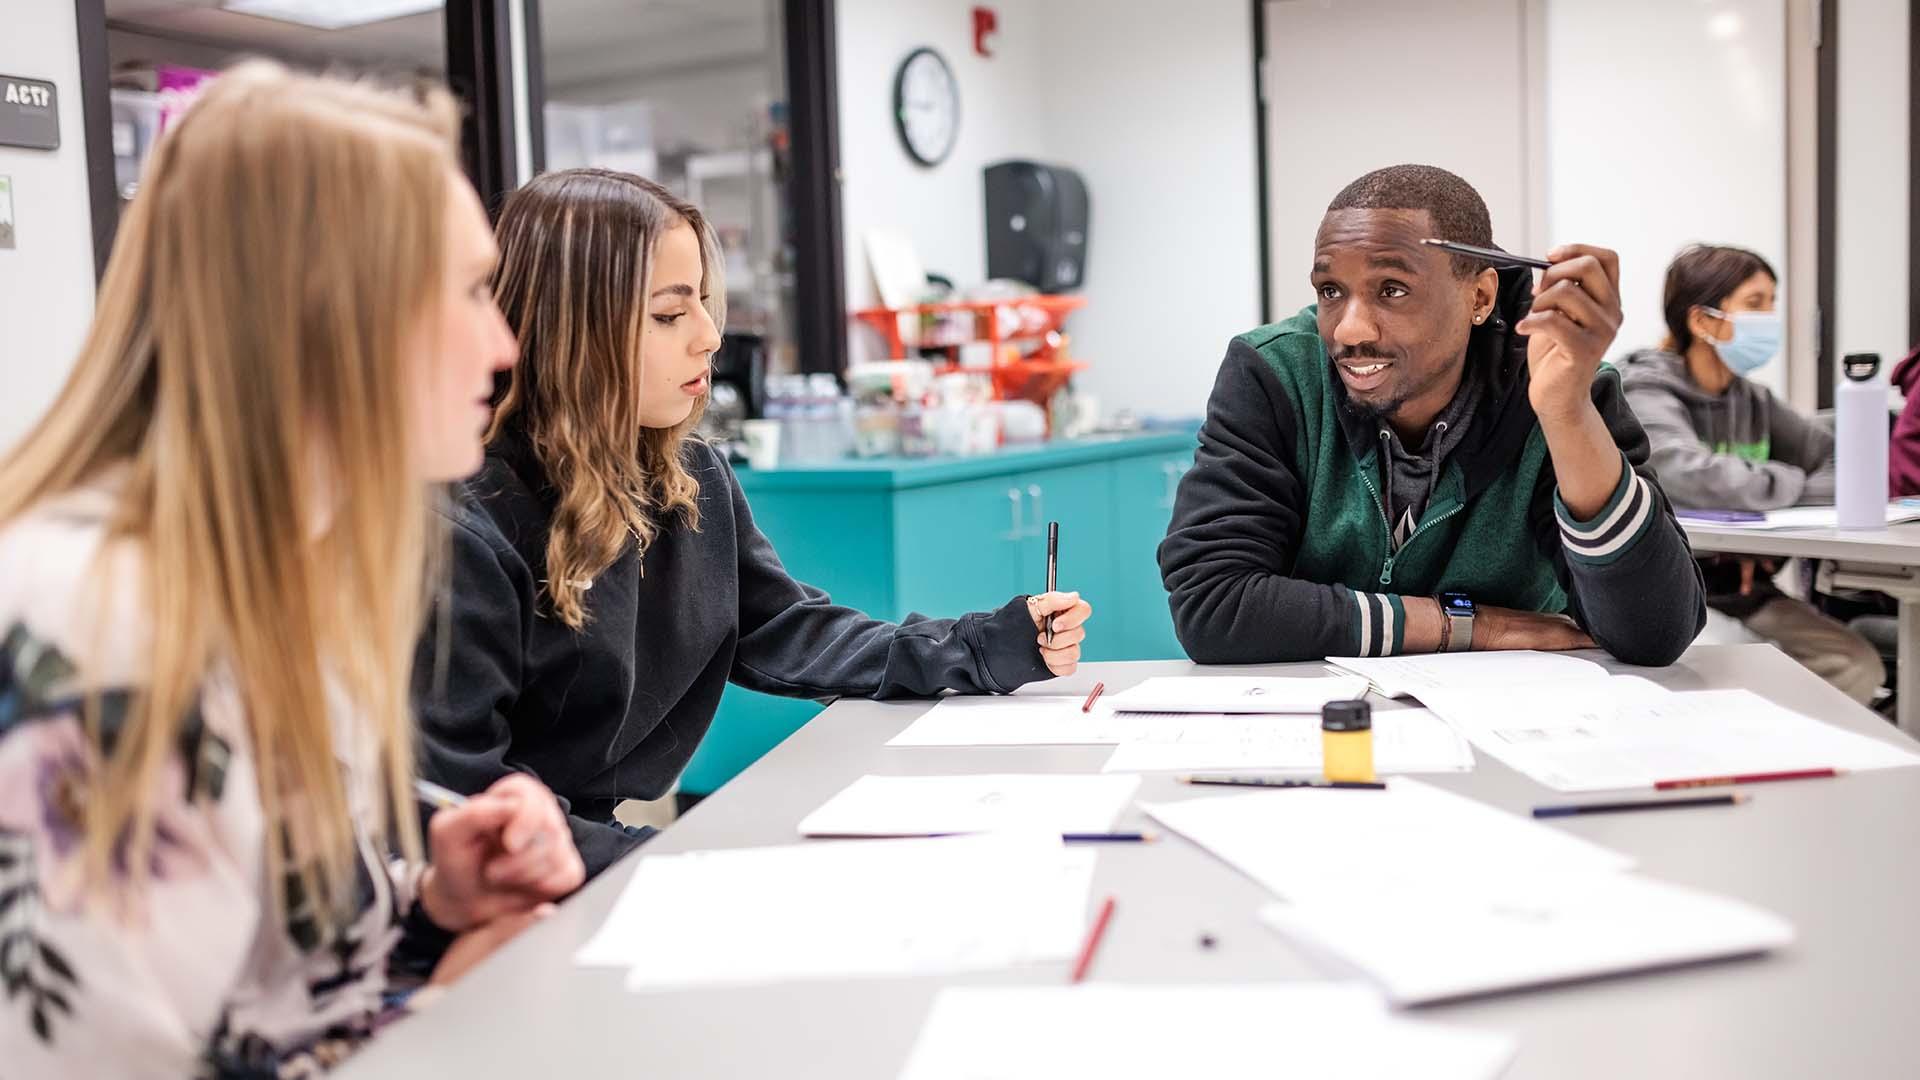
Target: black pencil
1053	567
1492	255
1571	809
1278	782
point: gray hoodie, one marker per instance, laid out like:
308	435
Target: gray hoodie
1740	450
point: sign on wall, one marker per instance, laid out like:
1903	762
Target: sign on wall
29	113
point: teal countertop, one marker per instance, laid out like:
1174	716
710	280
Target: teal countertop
894	473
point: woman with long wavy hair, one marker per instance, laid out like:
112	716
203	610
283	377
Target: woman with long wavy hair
608	579
213	561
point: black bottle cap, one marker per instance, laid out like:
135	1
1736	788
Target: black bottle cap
1861	366
1346	716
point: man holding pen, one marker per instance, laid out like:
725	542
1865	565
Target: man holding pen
1429	459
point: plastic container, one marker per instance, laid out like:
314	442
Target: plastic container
1346	741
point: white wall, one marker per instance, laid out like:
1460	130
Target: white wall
46	282
1158	115
1870	279
1329	124
1001	116
1648	165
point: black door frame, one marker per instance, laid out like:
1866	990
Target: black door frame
813	192
480	74
1826	196
96	113
1260	180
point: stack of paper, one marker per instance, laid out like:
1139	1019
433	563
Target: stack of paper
1433	895
1526	932
1237	694
1396	676
836	910
1404	741
938	805
1398	842
1158	1032
1627	733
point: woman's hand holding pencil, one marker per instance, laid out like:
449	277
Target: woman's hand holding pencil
502	852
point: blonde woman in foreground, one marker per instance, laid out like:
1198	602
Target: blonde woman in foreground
212	560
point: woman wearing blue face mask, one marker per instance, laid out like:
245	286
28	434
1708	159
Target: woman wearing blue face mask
1723	442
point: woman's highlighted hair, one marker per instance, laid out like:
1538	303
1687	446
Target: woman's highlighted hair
576	251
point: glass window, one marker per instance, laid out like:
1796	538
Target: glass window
160	51
691	94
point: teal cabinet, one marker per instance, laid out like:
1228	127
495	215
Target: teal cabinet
1080	498
1136	609
944	537
956	547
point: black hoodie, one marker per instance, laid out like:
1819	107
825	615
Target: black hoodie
615	711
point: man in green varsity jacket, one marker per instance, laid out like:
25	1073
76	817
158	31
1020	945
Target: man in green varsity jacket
1430	458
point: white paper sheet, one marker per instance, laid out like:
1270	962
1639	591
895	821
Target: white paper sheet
1161	1032
1237	694
1016	720
1807	517
1405	841
1627	738
1404	741
1055	721
1541	930
839	909
936	805
1413	675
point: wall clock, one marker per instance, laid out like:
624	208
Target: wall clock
926	106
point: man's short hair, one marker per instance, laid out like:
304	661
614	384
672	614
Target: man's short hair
1459	213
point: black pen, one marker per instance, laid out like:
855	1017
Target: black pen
1572	809
1492	255
1053	567
1278	782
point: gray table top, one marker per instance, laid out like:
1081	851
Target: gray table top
1837	857
1895	546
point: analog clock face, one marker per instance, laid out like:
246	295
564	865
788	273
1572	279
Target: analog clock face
926	106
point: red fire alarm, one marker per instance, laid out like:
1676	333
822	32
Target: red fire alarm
984	22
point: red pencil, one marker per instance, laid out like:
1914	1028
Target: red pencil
1093	697
1747	778
1099	930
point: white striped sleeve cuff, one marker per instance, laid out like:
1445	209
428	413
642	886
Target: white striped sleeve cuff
1381	621
1613	531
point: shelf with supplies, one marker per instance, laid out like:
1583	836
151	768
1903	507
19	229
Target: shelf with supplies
945	536
999	324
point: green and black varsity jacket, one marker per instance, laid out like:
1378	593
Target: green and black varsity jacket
1279	545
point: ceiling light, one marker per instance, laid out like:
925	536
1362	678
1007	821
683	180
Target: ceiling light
331	14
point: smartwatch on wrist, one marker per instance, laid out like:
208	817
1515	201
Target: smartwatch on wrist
1457	609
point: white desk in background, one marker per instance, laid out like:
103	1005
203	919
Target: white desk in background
1835	857
1883	560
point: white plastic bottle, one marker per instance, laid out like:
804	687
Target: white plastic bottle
1860	443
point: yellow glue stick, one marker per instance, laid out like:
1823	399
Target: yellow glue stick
1346	741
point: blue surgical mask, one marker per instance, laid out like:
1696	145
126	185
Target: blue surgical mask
1756	339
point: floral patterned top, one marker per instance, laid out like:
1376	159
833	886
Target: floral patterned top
194	974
